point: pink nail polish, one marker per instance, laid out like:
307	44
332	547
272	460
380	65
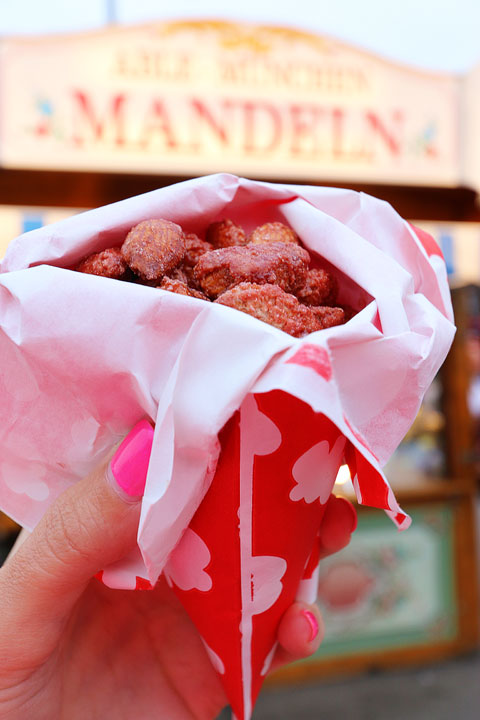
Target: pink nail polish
312	621
129	465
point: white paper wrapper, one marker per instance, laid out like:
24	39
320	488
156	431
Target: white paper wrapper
83	357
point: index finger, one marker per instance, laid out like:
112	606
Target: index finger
338	524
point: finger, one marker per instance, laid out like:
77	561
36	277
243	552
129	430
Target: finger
338	524
300	633
301	629
91	525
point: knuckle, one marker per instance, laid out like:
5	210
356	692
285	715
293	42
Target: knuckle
67	535
65	540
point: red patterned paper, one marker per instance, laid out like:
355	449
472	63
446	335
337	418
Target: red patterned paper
254	533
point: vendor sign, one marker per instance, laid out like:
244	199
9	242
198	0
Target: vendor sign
189	98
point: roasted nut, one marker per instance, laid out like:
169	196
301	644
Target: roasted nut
153	248
320	288
194	249
177	273
181	288
260	278
273	232
276	263
329	316
272	305
108	263
225	234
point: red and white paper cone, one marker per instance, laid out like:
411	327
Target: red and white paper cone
85	357
239	565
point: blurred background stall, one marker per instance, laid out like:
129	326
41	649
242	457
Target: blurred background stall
91	117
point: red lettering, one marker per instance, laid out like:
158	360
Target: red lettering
262	127
391	137
98	127
338	118
304	120
157	122
203	116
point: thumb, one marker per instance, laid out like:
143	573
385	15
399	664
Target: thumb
91	525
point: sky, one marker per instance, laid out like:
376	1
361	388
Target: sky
441	35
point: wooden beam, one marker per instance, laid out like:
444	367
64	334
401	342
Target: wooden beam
91	189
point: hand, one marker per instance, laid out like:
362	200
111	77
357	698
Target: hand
71	648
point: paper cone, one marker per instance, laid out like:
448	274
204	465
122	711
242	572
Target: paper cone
76	380
239	565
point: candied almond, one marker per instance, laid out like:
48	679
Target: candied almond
194	249
177	273
225	233
278	263
181	288
273	232
272	305
329	316
153	248
107	263
320	288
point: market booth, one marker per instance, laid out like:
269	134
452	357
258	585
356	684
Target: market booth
93	118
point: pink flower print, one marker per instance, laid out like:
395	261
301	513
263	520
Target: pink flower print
266	574
26	480
266	436
314	357
315	471
187	563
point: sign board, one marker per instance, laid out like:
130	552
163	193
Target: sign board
190	98
469	129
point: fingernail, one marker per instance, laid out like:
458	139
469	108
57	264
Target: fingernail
129	465
312	622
